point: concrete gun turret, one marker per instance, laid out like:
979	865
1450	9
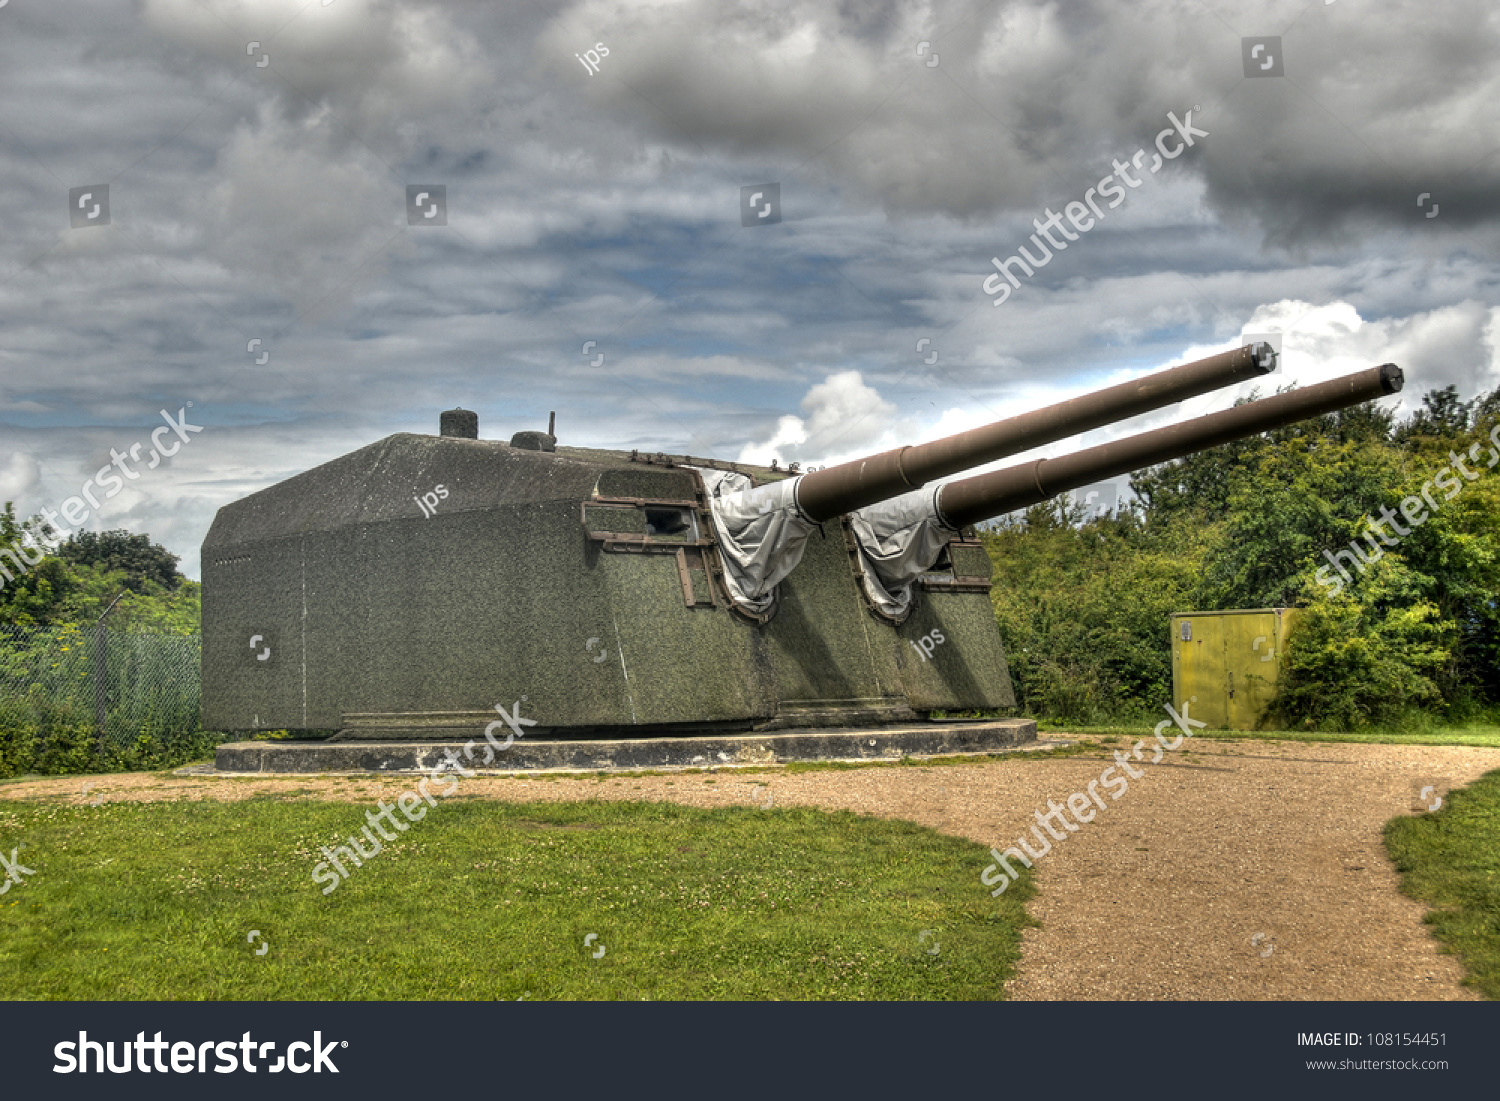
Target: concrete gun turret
405	591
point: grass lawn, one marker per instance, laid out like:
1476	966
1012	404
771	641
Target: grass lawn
482	900
1450	859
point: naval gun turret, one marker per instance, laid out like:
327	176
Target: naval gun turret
405	590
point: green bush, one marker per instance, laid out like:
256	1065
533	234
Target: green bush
1084	609
1346	668
69	748
48	706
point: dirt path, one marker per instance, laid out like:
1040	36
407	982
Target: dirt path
1160	897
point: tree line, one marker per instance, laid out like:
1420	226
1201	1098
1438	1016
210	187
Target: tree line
88	572
1386	533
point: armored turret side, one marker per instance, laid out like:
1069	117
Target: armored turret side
421	580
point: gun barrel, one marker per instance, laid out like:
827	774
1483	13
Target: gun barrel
824	494
986	495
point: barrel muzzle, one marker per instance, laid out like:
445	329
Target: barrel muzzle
987	495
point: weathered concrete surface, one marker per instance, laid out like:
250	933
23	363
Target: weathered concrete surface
882	743
344	598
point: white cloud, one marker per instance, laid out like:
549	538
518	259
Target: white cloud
1455	344
845	417
1451	345
305	199
605	208
17	476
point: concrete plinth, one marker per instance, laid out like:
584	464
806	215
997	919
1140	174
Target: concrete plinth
524	755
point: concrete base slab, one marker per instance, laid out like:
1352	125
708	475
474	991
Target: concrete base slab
725	751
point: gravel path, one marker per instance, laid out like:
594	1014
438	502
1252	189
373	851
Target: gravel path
1230	870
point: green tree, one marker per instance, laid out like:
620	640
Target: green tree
79	580
1442	415
1299	495
140	560
31	591
1083	608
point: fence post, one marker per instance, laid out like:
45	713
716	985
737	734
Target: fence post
101	675
101	669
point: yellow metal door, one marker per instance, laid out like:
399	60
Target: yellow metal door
1198	667
1252	654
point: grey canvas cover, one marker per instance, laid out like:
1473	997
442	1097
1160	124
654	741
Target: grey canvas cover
899	540
761	533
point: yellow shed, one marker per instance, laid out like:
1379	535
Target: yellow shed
1226	664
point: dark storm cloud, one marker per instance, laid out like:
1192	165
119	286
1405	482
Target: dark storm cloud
267	203
1379	101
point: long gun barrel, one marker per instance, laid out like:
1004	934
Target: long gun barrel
900	539
824	494
998	492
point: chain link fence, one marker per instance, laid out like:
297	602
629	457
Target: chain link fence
81	699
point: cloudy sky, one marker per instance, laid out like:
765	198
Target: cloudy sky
257	156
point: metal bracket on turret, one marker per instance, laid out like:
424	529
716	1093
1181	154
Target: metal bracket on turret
659	459
694	555
955	582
